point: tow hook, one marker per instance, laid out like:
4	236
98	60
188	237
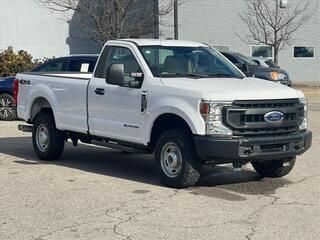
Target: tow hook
286	164
237	166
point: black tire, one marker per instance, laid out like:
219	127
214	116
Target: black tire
8	108
55	140
190	166
274	168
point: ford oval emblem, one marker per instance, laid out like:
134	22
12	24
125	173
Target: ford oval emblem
274	117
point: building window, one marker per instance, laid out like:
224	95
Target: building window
222	48
303	52
262	51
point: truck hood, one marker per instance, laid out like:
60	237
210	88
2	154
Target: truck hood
230	89
268	69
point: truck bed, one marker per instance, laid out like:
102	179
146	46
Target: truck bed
69	88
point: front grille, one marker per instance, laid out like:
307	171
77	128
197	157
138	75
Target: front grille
267	103
246	118
260	117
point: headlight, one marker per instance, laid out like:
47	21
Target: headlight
304	124
276	76
212	115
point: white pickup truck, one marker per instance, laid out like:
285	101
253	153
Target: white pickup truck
181	100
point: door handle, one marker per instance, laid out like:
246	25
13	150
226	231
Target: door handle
99	91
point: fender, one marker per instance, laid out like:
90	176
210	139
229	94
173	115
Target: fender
188	114
41	91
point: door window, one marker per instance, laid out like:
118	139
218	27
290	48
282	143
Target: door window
121	55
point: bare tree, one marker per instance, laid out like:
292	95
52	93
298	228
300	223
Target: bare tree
102	20
270	25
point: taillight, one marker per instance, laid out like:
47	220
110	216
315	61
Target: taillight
15	90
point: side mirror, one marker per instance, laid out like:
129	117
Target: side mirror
115	75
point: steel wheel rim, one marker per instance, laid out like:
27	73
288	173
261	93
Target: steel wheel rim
42	138
6	107
171	160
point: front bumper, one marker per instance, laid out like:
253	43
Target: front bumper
228	150
285	82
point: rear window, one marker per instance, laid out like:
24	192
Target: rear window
81	65
51	66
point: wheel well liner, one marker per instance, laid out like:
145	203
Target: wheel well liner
39	105
166	122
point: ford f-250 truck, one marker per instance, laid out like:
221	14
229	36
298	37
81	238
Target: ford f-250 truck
181	100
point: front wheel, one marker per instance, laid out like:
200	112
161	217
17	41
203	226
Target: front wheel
274	168
48	141
176	161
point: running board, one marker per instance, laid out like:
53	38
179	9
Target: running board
117	146
25	128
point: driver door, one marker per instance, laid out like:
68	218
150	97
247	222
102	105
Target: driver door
115	111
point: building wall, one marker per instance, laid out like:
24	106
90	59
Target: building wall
28	25
25	24
217	22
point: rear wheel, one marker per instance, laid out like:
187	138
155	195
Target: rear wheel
48	141
176	161
8	110
274	168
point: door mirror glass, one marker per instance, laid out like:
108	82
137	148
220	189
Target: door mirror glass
115	74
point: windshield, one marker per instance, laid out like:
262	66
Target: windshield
247	60
197	62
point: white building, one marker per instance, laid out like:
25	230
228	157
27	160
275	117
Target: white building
27	25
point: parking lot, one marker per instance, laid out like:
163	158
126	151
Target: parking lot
96	193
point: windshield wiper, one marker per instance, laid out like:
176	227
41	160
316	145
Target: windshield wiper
222	75
194	75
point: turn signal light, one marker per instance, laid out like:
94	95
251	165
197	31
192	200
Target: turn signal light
204	108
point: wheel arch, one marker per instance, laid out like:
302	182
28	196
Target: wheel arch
6	92
166	122
40	104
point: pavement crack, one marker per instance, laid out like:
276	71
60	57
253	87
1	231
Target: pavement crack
120	221
251	219
295	203
43	236
251	234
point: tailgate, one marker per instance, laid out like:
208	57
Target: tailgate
23	93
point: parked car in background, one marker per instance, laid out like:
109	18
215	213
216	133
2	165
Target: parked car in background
74	63
252	69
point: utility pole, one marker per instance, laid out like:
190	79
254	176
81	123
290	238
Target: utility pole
176	23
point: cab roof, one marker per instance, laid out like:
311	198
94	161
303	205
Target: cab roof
161	42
